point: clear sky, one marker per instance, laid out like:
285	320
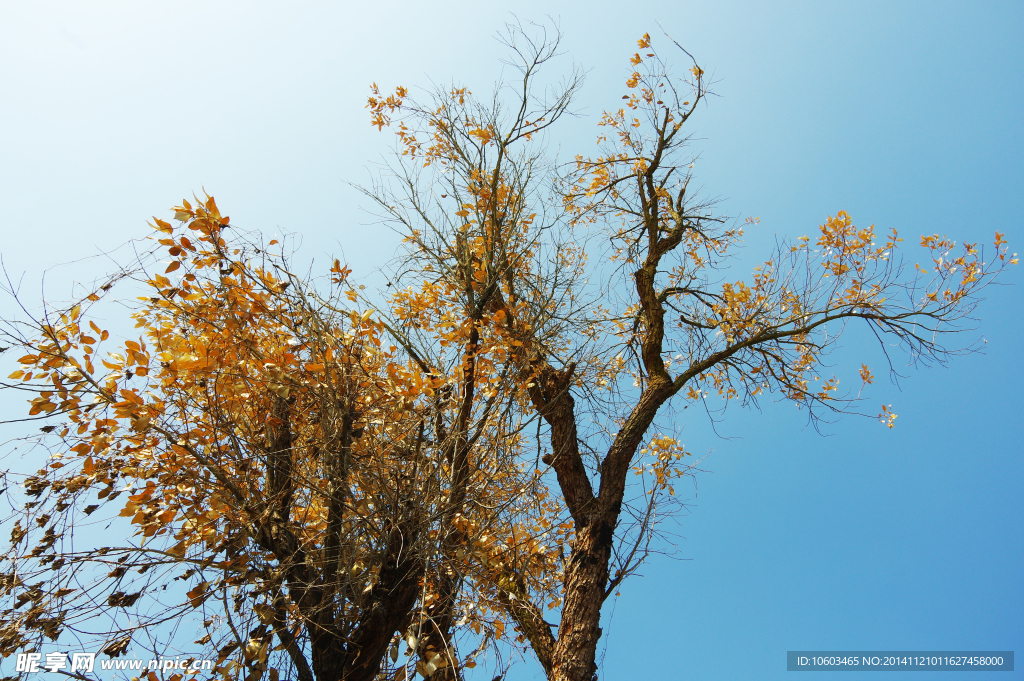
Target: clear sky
906	115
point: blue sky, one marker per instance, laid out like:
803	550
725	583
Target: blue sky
906	115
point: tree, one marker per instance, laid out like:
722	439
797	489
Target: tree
479	454
277	456
521	243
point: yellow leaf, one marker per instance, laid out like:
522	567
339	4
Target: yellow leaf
195	596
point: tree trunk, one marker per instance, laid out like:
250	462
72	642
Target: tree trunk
586	577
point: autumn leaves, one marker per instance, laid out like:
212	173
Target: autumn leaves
447	467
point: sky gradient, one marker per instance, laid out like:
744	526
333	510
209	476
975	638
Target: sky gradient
908	117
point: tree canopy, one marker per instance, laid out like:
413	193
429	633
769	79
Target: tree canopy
308	483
